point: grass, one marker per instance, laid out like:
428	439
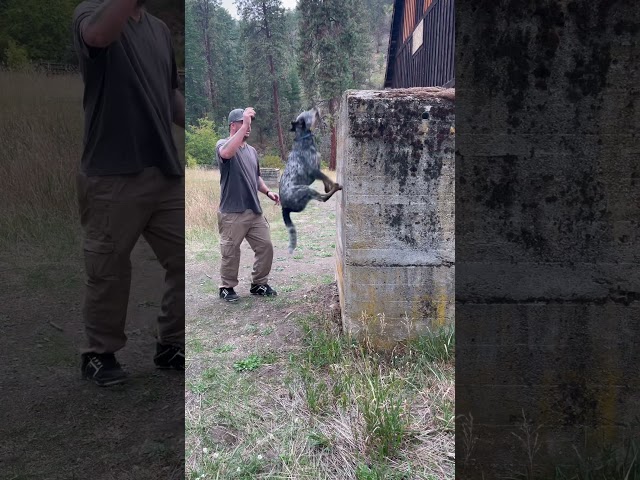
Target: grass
224	349
335	372
337	411
608	464
253	362
40	158
42	127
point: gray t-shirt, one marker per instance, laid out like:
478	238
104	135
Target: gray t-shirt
129	88
239	180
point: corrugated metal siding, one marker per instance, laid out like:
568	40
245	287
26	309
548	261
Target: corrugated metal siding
408	20
433	63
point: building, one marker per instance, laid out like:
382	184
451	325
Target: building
421	44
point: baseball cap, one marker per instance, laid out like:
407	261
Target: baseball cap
235	115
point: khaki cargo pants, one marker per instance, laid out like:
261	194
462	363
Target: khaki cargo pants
114	211
233	229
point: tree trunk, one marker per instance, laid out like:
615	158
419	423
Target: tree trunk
276	99
211	92
206	40
333	161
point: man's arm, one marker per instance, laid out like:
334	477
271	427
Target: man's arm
104	26
178	108
262	187
229	149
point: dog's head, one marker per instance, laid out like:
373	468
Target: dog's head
306	121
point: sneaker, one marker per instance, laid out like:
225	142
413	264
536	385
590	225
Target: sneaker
169	356
262	290
228	294
102	368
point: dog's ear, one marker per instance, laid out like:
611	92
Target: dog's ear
293	126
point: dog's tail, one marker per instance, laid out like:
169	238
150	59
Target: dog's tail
293	237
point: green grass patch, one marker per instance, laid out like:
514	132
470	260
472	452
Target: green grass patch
435	346
253	362
224	349
195	346
335	373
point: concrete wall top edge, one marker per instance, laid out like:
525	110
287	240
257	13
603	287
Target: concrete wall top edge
417	92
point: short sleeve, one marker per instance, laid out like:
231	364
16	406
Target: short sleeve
218	147
81	13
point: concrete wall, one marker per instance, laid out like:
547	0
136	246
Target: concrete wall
271	176
547	230
395	238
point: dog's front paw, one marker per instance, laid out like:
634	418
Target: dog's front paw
338	186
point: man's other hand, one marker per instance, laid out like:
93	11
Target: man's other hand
275	197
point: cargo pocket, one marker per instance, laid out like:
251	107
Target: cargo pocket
227	248
101	260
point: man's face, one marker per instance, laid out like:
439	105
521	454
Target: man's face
235	126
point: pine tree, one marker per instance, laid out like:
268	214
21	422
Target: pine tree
336	51
196	104
263	32
203	11
227	56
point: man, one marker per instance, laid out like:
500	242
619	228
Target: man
131	181
240	215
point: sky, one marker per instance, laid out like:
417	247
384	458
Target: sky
231	8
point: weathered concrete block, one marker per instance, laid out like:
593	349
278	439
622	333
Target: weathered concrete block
271	176
395	245
547	209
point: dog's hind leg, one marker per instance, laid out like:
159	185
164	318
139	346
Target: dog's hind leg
328	183
293	237
323	198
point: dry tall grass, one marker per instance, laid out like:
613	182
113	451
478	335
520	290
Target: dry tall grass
202	197
41	131
41	128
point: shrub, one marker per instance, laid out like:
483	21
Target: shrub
200	143
271	161
191	161
16	56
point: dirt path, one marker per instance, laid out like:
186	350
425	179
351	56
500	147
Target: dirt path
303	279
58	426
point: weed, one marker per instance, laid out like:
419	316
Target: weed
382	409
323	348
253	362
195	346
319	441
251	329
224	349
469	439
438	345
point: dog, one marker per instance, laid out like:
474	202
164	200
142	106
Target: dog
302	169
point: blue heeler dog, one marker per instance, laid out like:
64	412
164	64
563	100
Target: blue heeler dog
303	168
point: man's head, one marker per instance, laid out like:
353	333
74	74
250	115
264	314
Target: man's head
236	120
